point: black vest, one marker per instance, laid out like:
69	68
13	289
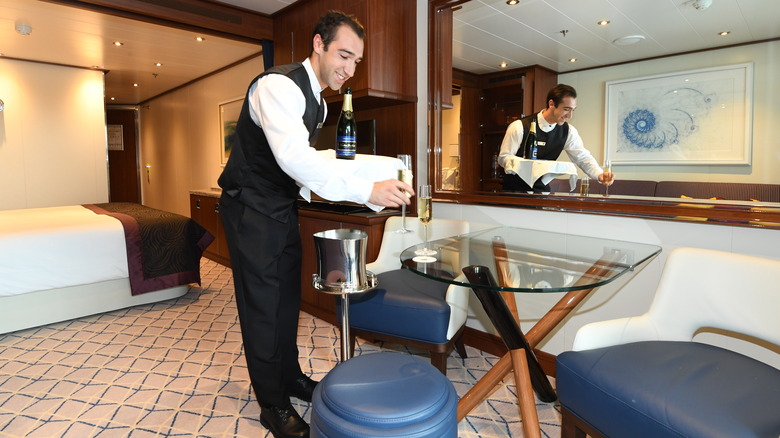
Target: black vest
251	174
550	145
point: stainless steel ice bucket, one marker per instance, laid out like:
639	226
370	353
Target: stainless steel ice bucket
341	262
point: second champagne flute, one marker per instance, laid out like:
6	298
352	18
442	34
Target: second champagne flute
607	182
405	175
425	214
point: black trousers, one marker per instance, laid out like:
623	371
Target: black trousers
513	183
265	255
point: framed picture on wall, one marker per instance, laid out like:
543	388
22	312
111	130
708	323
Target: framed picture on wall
228	116
691	117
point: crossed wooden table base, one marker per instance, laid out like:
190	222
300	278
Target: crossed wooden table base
530	248
528	374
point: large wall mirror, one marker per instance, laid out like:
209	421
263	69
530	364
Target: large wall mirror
472	98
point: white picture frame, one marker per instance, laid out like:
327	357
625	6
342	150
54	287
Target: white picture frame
699	116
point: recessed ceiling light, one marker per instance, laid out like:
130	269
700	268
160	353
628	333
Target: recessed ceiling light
512	2
602	22
572	59
113	98
119	43
158	64
724	33
503	64
135	85
628	40
199	38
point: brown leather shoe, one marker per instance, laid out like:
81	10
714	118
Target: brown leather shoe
283	422
302	388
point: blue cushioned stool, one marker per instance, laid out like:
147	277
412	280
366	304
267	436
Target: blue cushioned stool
384	395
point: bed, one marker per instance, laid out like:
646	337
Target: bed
60	263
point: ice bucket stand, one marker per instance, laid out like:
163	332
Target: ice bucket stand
341	262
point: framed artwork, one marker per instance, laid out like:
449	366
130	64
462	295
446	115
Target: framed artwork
228	117
691	117
115	138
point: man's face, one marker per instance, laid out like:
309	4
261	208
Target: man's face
564	110
337	64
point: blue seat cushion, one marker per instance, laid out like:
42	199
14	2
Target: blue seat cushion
384	395
670	389
405	305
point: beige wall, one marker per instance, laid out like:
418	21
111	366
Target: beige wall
590	115
180	137
52	136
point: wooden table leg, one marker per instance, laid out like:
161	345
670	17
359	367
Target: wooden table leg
519	344
484	387
525	395
507	327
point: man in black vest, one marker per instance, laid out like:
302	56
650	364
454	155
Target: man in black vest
271	162
554	135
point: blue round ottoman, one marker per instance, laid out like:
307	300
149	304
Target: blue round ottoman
384	395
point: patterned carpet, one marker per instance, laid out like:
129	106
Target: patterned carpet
176	369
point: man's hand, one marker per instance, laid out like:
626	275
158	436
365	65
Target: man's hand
607	178
389	193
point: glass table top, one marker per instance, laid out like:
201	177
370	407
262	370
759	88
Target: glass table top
522	260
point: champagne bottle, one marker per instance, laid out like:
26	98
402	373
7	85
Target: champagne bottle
530	142
346	130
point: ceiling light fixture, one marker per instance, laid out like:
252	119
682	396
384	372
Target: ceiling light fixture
503	64
158	64
724	33
135	85
628	40
602	22
119	43
512	2
572	60
199	39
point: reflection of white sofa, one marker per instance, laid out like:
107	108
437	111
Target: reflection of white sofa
61	263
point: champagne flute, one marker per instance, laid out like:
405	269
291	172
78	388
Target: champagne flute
425	214
405	175
607	182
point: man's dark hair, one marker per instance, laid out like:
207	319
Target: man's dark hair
330	22
558	92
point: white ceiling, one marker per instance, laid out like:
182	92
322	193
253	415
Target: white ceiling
486	33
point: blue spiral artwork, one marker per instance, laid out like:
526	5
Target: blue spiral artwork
658	119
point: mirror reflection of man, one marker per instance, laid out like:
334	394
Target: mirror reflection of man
554	135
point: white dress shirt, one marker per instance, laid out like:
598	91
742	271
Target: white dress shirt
574	147
277	104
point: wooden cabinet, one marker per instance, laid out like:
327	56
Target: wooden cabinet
205	211
314	302
387	75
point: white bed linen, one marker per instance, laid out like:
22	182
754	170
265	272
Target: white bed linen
54	247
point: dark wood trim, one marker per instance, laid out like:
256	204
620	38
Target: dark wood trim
204	16
741	214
